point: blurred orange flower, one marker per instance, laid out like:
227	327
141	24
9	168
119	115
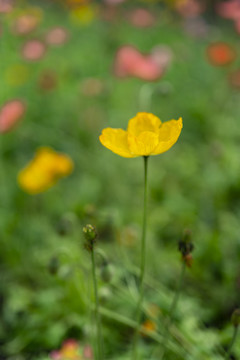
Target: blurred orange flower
145	135
148	326
44	170
27	20
220	54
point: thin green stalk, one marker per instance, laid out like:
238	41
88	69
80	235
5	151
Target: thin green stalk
173	309
142	263
97	313
235	332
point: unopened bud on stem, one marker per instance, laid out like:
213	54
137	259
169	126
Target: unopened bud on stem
90	235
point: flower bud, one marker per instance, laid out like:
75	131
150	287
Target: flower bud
185	245
90	235
235	319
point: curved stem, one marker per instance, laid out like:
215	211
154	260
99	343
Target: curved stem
235	331
97	313
142	262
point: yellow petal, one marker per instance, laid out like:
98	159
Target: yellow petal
168	135
143	144
116	141
143	122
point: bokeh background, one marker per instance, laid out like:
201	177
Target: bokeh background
68	69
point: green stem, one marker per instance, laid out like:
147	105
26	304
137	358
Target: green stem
173	309
235	332
142	263
180	351
97	313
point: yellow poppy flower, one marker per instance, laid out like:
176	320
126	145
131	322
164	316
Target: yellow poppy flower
44	170
146	135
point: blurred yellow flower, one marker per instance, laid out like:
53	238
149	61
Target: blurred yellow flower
83	15
44	170
17	74
145	135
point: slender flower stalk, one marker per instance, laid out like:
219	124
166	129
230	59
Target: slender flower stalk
90	236
235	332
96	310
142	263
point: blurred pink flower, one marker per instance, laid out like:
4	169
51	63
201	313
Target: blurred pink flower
10	114
57	36
113	2
87	352
33	50
229	9
6	6
72	350
189	8
162	55
141	18
130	62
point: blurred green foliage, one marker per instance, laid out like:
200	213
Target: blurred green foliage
45	288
